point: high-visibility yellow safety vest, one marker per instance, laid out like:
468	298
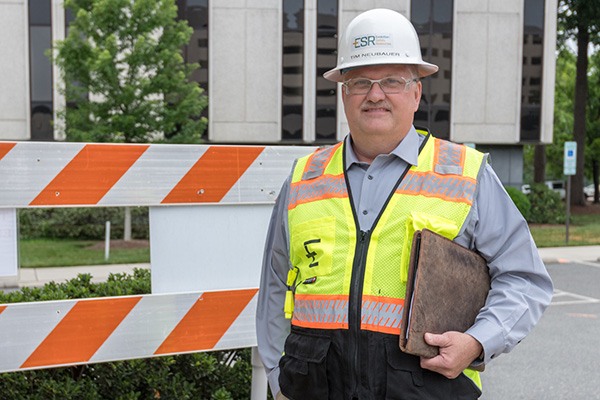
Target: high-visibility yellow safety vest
333	260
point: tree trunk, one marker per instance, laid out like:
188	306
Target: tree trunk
596	180
581	93
539	163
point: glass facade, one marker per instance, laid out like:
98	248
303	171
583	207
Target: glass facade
326	96
292	97
195	12
433	21
40	69
533	54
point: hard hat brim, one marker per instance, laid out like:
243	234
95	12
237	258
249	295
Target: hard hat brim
424	69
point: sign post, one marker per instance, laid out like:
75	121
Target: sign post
569	169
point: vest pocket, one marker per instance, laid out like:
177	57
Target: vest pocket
303	367
407	380
403	369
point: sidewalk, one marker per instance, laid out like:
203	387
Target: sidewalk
41	276
553	255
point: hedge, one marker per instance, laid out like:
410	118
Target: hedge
546	205
85	223
521	201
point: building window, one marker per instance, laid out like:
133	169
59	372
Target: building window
326	95
292	74
40	69
433	21
195	12
533	49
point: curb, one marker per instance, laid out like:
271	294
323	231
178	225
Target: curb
553	260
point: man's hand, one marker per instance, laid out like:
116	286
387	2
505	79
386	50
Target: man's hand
457	352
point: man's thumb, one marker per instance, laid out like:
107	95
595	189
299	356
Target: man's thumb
433	339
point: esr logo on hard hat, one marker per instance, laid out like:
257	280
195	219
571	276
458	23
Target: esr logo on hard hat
372	40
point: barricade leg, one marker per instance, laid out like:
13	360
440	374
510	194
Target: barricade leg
259	378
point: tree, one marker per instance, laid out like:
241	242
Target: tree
564	92
593	131
124	76
580	20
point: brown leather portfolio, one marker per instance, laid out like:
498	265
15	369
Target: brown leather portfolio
447	287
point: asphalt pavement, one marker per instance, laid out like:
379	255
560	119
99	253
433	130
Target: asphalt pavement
560	358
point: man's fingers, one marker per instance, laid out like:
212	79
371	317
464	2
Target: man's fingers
436	340
457	351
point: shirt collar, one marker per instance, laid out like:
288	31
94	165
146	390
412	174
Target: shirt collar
407	149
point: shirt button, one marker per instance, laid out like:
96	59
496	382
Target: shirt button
370	177
365	212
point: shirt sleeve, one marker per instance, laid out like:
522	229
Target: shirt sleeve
521	288
272	328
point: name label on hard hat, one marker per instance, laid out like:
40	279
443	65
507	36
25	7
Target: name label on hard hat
372	40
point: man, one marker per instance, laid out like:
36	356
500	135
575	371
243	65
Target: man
333	279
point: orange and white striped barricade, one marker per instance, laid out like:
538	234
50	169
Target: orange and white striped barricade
207	304
41	174
69	332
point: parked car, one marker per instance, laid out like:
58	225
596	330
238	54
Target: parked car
557	186
589	191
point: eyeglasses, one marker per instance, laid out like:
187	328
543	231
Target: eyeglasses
389	85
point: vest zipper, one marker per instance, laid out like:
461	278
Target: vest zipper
355	306
358	275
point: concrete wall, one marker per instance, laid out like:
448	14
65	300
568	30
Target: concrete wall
245	71
507	162
14	71
487	71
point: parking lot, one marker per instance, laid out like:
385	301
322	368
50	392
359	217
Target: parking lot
560	359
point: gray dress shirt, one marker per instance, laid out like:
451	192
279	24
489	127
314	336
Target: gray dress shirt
521	288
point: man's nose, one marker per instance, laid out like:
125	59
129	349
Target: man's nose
376	92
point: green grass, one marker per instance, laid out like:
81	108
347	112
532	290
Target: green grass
584	230
59	253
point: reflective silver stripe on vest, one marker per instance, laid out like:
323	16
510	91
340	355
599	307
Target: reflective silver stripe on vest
449	158
333	314
318	162
448	187
377	313
325	187
319	311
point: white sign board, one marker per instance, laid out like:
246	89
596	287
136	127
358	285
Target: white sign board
8	242
570	159
208	247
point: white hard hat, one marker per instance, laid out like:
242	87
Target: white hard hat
379	36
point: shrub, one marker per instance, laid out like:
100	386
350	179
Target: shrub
546	206
81	223
521	201
219	375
